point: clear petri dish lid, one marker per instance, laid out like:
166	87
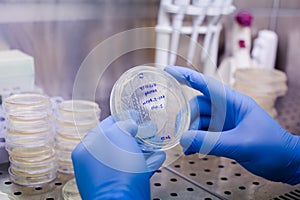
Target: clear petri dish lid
5	196
33	171
29	152
35	158
155	100
36	140
78	106
65	168
27	99
31	181
71	130
28	106
70	191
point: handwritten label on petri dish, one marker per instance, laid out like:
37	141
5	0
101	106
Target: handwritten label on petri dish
152	92
165	138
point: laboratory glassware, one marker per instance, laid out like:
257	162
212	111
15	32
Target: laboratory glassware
156	101
30	139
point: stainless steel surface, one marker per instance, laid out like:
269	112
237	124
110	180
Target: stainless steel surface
289	110
51	191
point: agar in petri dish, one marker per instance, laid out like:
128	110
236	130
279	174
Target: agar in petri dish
157	103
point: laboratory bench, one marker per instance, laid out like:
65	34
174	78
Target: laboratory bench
195	176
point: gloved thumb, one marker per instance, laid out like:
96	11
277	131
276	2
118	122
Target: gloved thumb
206	142
155	161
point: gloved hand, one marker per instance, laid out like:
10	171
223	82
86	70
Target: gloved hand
109	164
232	125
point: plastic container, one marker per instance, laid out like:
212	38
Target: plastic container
78	112
74	118
157	100
28	106
263	85
30	139
31	180
269	81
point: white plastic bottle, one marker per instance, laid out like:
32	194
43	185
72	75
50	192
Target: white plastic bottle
241	45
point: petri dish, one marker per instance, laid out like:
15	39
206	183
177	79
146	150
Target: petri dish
260	80
27	106
157	103
65	167
31	181
24	151
74	131
33	167
29	126
5	196
36	158
78	112
70	191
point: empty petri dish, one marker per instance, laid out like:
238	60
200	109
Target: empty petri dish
24	151
5	196
65	167
27	106
157	103
31	180
70	191
33	168
78	112
73	131
29	126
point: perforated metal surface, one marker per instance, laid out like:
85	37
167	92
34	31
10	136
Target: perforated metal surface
289	110
51	191
191	177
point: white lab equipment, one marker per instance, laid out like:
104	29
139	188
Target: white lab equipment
16	70
16	75
240	47
156	101
166	41
197	21
176	25
265	49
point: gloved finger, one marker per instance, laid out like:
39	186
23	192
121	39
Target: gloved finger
129	127
118	135
107	122
155	161
126	114
147	130
200	123
122	147
200	105
211	143
207	85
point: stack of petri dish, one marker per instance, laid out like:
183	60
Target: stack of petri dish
74	118
263	85
30	139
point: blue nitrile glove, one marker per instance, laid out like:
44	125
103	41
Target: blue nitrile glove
109	164
248	134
